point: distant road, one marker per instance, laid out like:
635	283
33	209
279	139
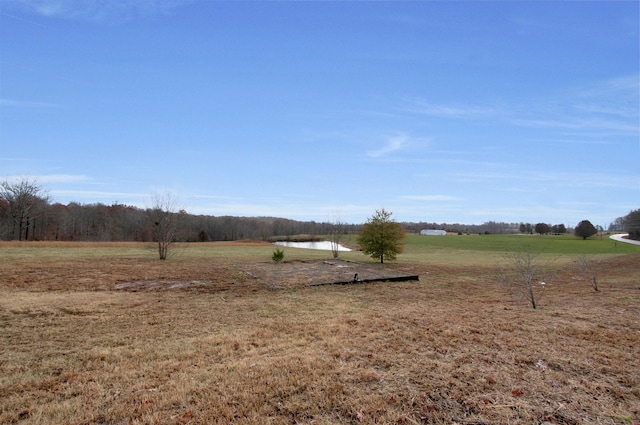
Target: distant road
620	237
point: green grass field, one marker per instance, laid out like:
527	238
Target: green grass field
450	249
484	249
561	244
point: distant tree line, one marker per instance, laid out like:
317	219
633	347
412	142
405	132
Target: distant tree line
489	227
27	213
117	222
630	223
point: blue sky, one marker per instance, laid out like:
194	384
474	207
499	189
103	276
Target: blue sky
437	111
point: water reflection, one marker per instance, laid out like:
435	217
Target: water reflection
321	245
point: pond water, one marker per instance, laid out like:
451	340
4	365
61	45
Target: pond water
321	245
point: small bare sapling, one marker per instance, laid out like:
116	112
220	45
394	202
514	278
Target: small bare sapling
591	268
524	276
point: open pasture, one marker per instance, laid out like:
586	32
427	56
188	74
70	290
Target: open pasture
485	248
451	348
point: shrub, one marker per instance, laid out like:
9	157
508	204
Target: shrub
278	255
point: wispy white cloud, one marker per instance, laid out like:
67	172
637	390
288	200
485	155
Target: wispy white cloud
529	180
557	213
397	143
293	209
422	107
213	197
67	188
393	144
576	123
63	178
11	103
526	213
434	198
604	107
98	194
622	88
97	10
48	178
582	141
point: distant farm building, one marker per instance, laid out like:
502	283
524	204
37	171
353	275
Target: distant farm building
431	232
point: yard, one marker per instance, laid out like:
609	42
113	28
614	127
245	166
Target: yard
79	346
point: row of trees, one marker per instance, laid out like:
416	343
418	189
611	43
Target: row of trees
543	228
489	227
26	213
630	223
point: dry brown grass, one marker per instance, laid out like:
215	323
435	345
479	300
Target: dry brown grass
452	348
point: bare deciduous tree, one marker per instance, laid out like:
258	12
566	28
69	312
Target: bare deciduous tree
165	219
524	276
590	267
23	198
336	233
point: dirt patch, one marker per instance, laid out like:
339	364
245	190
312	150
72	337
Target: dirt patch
293	274
157	285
